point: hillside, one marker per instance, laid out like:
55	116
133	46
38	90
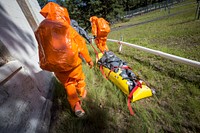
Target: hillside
176	105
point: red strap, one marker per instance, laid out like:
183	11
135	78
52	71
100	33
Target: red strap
126	67
111	70
95	51
131	95
101	69
97	57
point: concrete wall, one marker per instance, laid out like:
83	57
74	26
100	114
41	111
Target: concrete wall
25	90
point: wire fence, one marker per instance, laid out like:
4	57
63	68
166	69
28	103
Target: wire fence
161	5
197	14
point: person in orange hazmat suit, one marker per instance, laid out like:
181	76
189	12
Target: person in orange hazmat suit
60	47
100	30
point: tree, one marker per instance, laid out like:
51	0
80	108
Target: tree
82	10
111	10
42	3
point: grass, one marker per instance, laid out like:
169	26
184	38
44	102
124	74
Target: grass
176	105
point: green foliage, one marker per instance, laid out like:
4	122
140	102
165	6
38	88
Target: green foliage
42	3
111	10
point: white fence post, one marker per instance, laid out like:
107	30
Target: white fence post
120	45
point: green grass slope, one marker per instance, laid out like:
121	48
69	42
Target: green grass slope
175	107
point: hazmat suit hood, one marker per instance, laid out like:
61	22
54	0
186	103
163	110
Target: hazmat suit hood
53	11
93	18
59	45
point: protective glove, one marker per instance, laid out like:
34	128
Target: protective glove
91	64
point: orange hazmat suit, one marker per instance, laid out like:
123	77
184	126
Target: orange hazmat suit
60	47
100	30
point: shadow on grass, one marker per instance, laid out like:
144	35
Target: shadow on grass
63	119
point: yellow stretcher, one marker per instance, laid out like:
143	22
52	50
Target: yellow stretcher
139	92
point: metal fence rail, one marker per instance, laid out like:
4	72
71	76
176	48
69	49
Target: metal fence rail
164	4
156	52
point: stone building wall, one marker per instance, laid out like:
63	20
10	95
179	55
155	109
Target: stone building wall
25	90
